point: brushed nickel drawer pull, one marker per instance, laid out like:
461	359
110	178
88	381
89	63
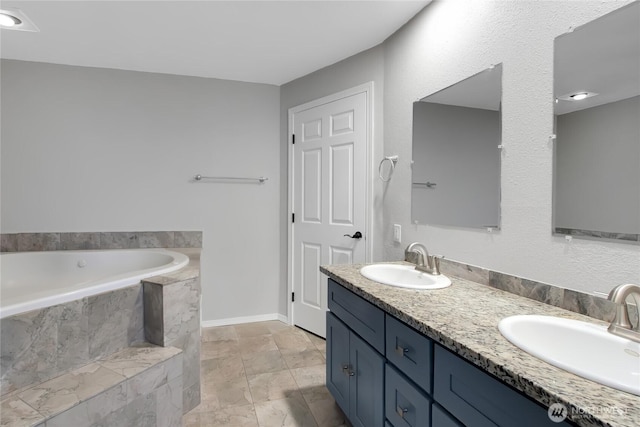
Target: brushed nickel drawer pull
401	411
401	350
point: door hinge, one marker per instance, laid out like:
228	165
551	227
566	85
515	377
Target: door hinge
293	217
293	296
293	138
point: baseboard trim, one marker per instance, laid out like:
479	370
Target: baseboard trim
244	319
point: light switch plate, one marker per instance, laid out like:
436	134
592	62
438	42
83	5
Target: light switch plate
397	233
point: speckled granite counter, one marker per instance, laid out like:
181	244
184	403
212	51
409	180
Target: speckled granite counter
464	318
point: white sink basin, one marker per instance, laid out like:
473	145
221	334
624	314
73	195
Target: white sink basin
404	276
582	348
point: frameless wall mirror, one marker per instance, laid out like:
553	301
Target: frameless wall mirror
456	154
597	114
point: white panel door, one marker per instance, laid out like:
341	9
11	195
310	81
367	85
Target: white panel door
329	200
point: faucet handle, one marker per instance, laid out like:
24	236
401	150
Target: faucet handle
434	264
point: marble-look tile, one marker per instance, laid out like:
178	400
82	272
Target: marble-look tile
141	412
324	407
156	239
8	242
272	386
38	242
28	350
188	239
195	397
133	360
259	363
310	376
16	413
191	369
238	416
79	241
169	404
215	371
219	333
589	305
92	411
464	271
252	329
155	377
119	240
304	358
259	343
152	297
181	309
233	393
115	320
295	339
288	412
61	393
222	348
72	335
276	326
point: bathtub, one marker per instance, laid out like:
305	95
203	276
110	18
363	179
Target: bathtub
33	280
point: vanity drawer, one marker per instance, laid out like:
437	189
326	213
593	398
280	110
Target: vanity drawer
361	316
479	400
410	351
441	418
405	405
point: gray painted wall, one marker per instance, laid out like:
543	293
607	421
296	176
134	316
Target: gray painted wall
87	149
597	168
449	41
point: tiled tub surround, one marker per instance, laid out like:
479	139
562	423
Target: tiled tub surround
22	242
172	319
44	344
139	386
464	318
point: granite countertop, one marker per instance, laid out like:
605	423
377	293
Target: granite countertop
464	318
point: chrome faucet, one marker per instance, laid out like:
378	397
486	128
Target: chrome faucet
621	324
432	265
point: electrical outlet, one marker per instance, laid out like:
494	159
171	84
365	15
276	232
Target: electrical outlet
397	233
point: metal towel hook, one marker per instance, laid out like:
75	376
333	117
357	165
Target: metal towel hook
392	161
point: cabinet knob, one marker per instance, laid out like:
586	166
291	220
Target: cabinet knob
351	374
401	411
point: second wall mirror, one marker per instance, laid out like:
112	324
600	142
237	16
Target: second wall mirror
597	111
456	154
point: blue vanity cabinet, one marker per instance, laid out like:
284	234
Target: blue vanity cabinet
355	369
383	373
479	400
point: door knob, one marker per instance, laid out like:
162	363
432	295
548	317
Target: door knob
356	235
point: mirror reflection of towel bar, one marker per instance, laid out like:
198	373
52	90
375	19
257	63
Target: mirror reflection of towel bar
427	184
228	178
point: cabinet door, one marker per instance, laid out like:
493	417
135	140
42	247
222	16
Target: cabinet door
367	385
338	366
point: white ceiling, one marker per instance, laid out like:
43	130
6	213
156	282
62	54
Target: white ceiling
264	41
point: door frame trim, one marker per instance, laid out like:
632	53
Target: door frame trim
367	89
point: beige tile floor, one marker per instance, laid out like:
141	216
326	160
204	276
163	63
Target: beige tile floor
263	374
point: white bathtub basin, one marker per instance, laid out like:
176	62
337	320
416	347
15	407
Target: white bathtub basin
404	276
582	348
